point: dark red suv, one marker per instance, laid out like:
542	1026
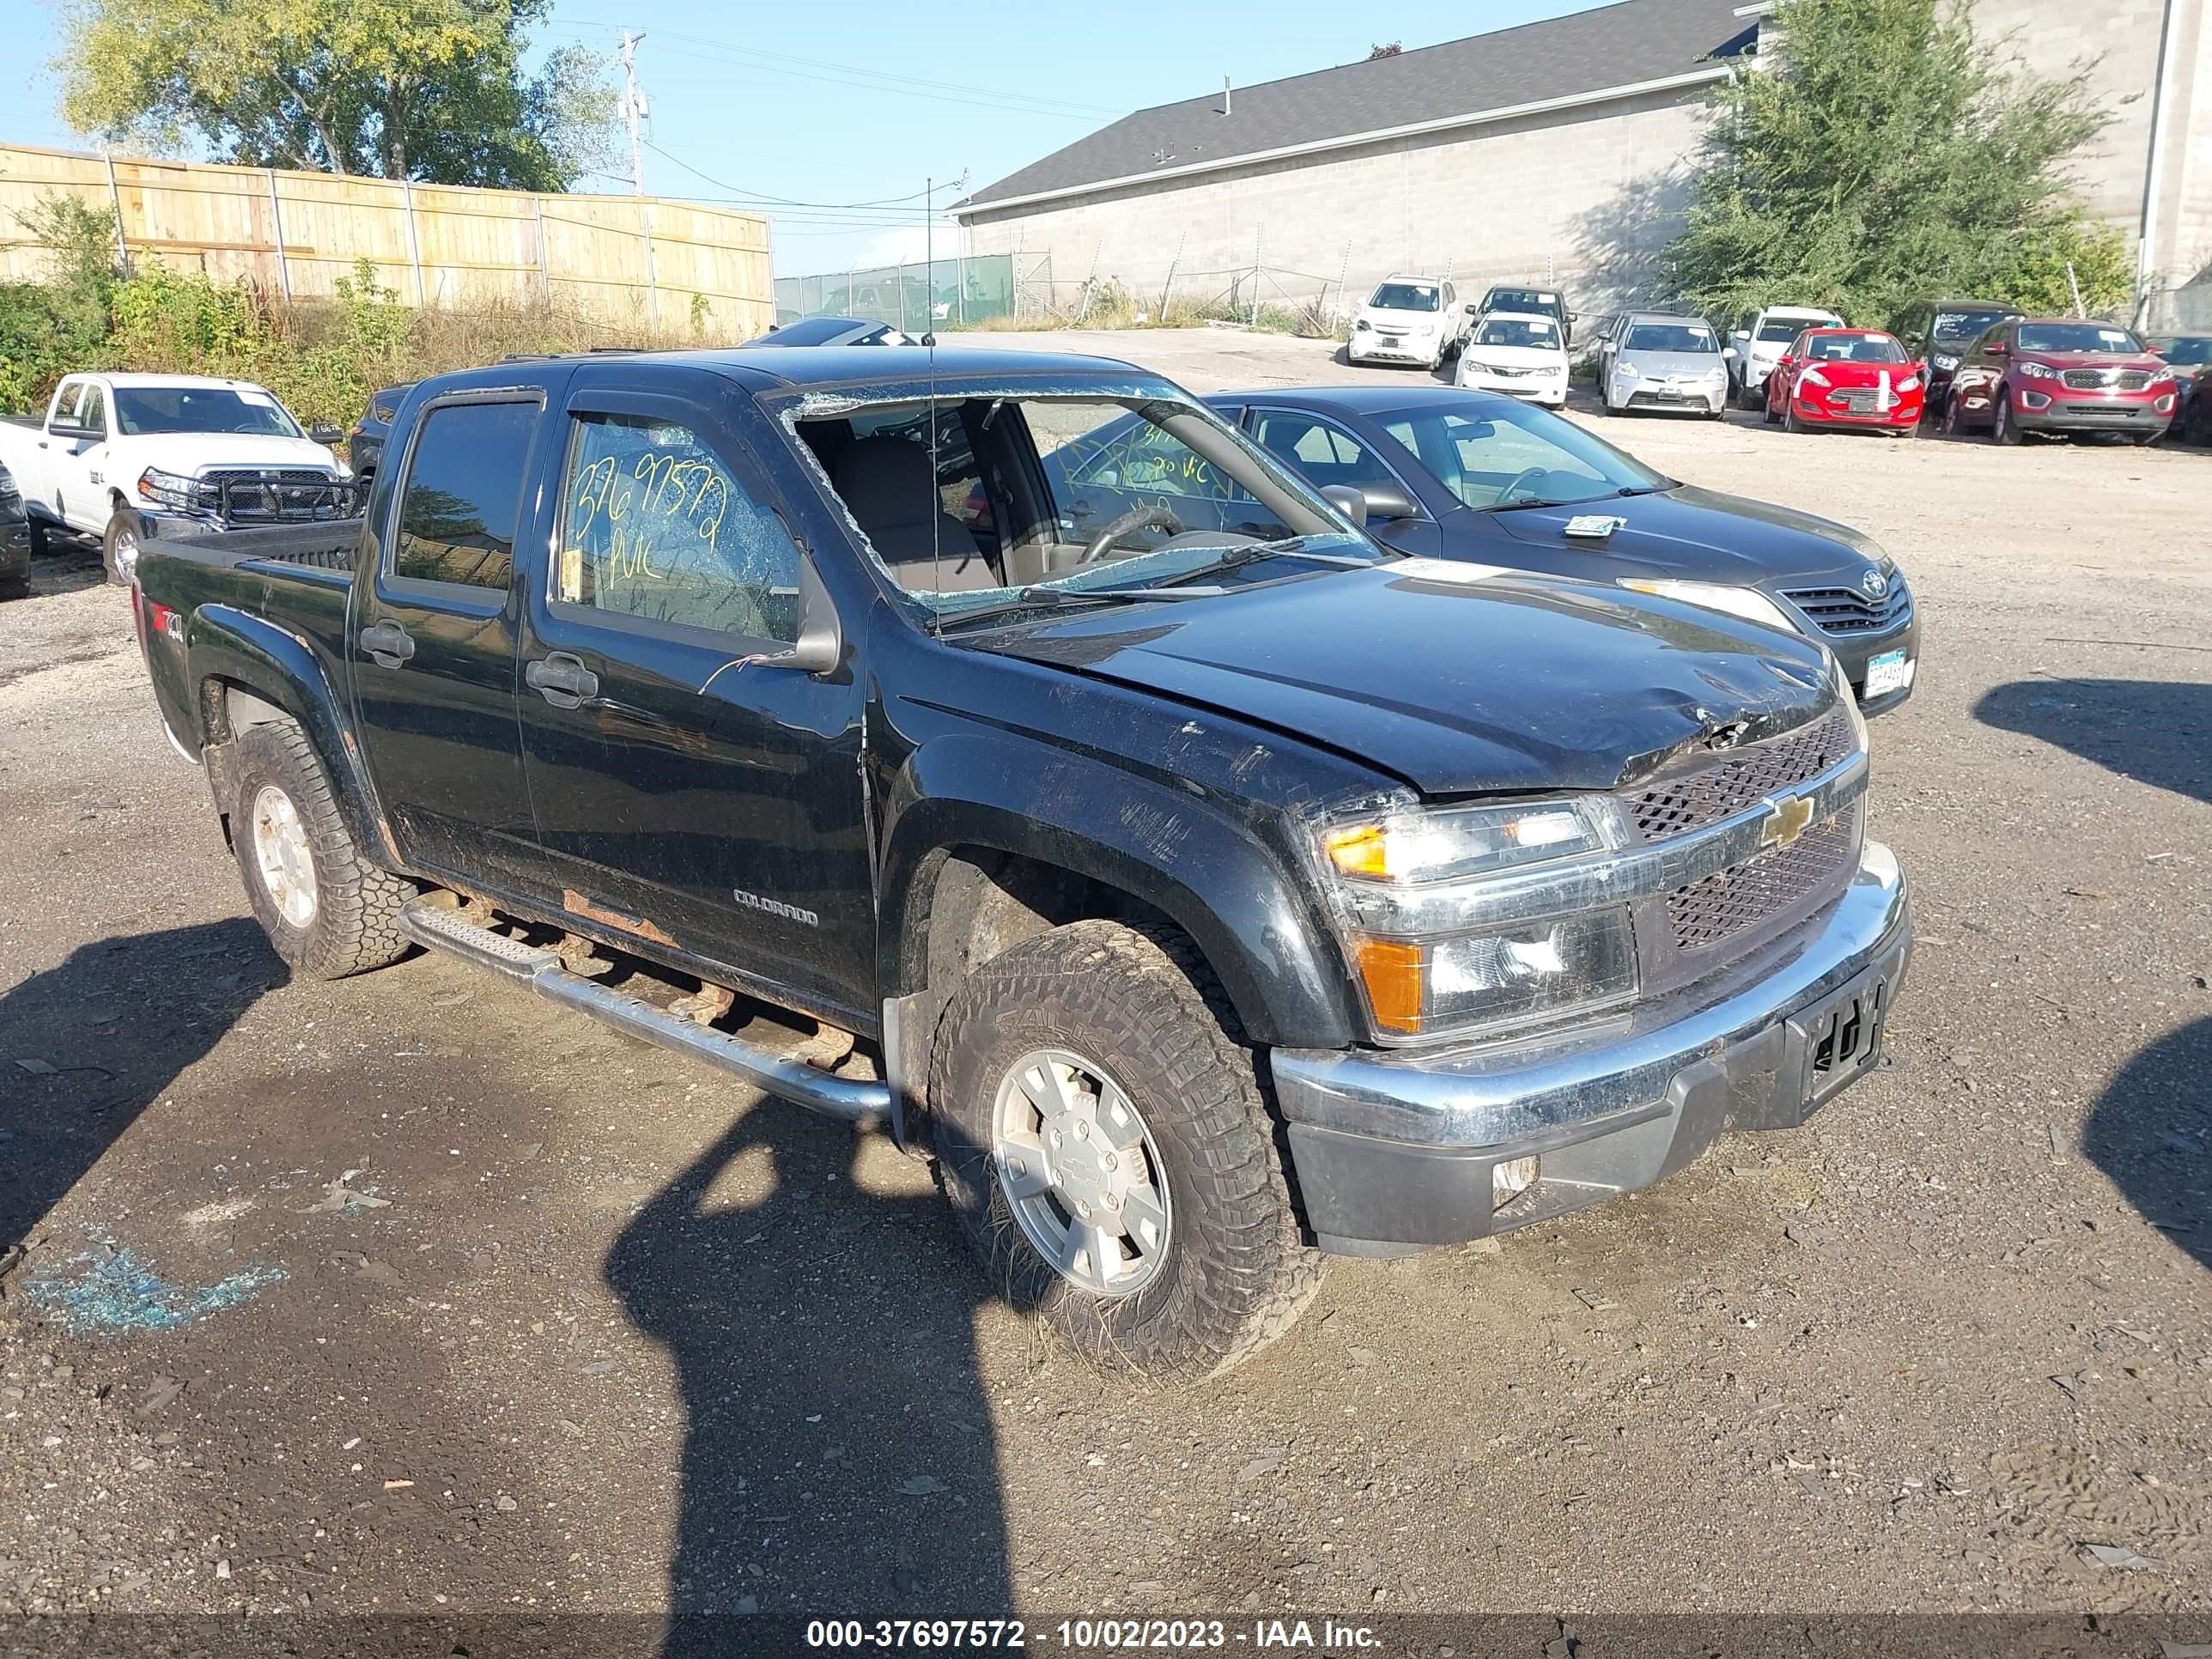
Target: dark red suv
2061	374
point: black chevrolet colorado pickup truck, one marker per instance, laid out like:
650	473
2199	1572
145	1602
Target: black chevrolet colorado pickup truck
1207	888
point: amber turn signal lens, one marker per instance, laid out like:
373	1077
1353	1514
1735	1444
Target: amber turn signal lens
1392	972
1362	850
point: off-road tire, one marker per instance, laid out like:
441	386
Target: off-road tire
1143	1005
123	519
355	926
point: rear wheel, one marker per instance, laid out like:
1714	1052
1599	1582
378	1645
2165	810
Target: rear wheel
328	911
1106	1144
119	548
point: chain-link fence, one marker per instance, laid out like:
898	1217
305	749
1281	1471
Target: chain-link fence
947	294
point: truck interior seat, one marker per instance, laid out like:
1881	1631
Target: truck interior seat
885	481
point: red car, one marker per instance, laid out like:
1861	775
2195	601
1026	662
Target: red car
1846	377
2062	374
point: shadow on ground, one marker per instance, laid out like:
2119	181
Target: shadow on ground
2151	1131
2156	731
838	1453
87	1046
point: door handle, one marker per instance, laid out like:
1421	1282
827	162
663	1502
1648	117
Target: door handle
388	644
562	679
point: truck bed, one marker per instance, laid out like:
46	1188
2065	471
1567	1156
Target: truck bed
327	545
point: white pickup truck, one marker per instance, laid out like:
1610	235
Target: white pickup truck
117	453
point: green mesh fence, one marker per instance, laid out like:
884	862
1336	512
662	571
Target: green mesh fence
943	293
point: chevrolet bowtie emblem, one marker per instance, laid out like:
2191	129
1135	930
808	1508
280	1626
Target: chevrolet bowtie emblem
1786	822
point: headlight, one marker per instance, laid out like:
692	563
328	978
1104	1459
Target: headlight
2162	376
1506	975
1945	363
1626	370
1410	882
2037	372
1467	840
1814	377
1910	383
1717	374
170	489
1360	327
1747	603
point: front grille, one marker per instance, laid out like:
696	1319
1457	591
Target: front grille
1773	880
1744	779
1848	610
275	495
1859	403
2096	380
217	478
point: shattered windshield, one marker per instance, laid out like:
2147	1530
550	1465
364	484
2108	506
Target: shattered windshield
974	501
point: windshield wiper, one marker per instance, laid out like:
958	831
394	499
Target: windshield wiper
1032	598
1287	548
1515	506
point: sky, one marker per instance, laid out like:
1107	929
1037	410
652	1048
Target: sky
844	110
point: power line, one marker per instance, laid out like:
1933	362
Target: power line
884	203
877	81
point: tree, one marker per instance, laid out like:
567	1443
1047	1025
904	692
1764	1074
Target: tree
1888	155
432	90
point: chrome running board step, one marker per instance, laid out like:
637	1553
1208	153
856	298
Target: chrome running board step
439	926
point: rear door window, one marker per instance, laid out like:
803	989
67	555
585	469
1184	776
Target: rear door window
457	517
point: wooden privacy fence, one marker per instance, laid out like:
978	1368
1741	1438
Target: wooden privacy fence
621	259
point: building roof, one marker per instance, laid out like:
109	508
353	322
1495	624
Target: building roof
1585	56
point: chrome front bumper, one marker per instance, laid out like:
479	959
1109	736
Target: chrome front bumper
1395	1153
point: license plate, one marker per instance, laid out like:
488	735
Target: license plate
1842	1035
1890	672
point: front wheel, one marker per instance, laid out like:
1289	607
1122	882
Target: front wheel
1107	1146
119	548
2003	429
328	911
1789	421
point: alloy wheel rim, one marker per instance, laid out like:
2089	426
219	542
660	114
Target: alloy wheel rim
286	860
1081	1172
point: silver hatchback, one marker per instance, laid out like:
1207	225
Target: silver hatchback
1654	360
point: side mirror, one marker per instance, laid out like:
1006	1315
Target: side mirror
326	434
73	432
1728	352
1999	348
1347	500
1739	334
820	647
1383	502
1474	311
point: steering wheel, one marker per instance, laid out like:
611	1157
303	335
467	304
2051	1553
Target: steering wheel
1137	517
1527	475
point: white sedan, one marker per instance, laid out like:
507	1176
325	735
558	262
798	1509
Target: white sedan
1518	353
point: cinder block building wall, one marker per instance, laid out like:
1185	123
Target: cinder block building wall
1538	197
1578	191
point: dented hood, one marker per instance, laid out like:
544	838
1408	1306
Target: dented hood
1456	678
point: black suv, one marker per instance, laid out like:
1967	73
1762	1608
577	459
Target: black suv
1941	333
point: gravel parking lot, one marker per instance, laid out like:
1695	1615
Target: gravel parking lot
408	1293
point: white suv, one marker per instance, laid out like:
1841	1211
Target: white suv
1407	319
1761	336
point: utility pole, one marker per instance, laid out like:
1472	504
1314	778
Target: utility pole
634	109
